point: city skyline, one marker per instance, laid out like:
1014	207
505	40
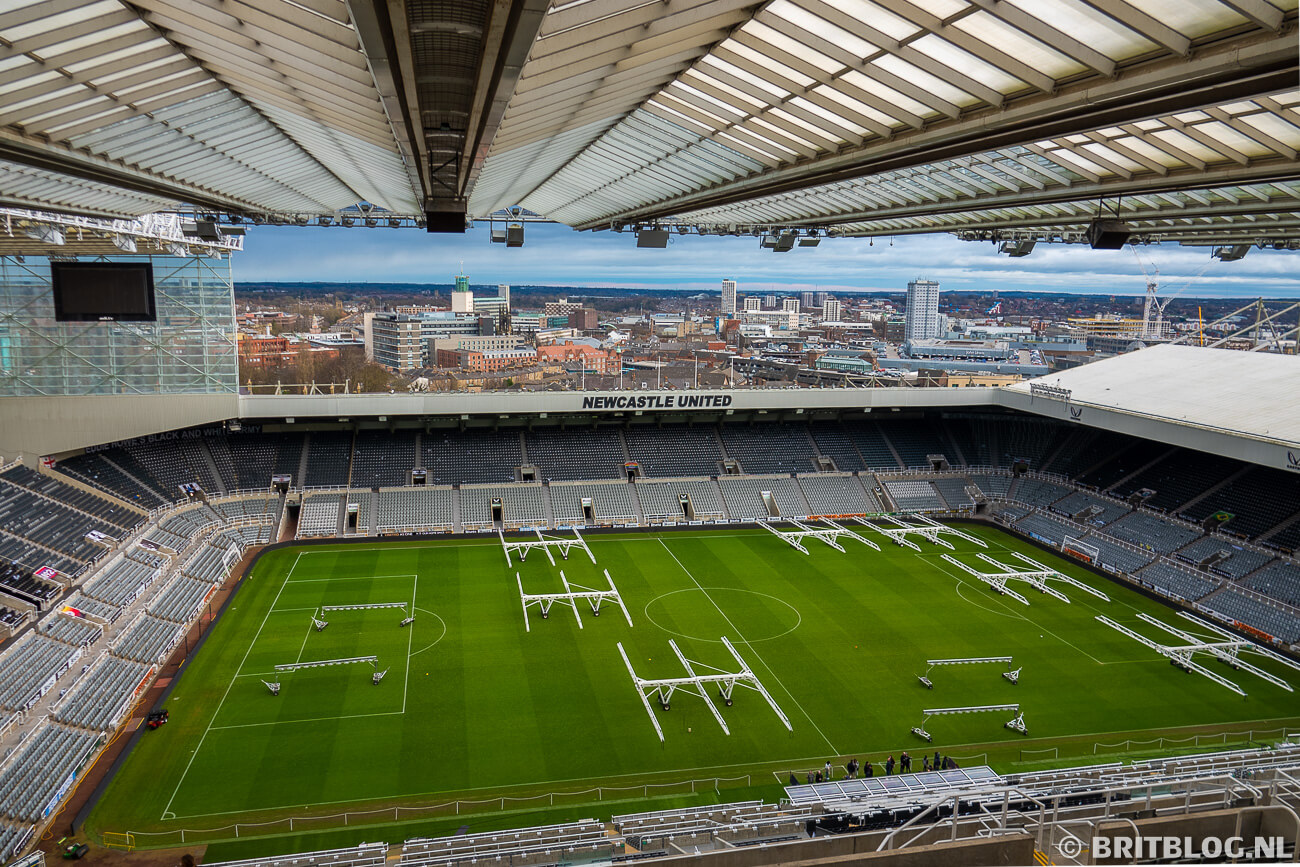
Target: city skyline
556	255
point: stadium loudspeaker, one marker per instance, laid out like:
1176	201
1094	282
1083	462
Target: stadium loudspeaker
1231	253
657	238
1017	249
445	215
515	235
1108	234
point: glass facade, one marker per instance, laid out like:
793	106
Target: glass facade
190	349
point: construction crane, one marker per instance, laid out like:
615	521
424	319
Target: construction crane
1153	310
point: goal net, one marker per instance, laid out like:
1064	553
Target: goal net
1080	550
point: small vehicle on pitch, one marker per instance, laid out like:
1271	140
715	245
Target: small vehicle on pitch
157	718
75	851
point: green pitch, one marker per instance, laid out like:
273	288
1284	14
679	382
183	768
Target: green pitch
474	706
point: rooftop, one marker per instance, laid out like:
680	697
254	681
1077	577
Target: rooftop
1244	393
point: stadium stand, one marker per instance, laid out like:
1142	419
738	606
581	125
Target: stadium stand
361	500
916	440
1149	531
745	501
1085	449
575	453
1175	580
83	501
1087	509
993	487
207	562
1179	477
1046	528
871	444
521	505
574	843
477	456
93	607
1118	557
411	510
319	515
121	582
1237	563
28	668
1124	463
19	582
611	502
383	459
661	500
1279	580
180	599
70	629
674	450
837	495
1240	608
1022	439
99	471
1038	492
914	495
329	459
52	525
13	839
180	461
835	443
769	448
953	491
100	698
32	781
147	639
361	855
1258	500
1010	513
251	508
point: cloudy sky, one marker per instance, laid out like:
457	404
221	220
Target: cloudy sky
556	255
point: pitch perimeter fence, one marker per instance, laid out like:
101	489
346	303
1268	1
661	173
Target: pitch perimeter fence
294	824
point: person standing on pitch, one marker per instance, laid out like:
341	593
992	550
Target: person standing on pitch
889	766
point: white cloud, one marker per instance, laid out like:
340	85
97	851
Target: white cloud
556	255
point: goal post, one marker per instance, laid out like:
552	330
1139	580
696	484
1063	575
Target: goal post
1080	550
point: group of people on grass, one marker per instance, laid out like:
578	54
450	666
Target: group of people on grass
903	765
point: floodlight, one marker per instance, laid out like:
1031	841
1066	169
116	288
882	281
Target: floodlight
1017	249
1231	253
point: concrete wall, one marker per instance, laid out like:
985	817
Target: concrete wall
34	426
861	849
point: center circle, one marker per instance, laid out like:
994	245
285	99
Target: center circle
708	613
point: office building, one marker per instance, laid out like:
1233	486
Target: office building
729	297
922	316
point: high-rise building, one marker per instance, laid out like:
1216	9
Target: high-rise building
769	302
728	297
820	298
922	318
790	304
462	300
830	310
753	303
808	299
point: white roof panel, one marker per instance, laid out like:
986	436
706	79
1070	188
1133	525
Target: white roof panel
1251	394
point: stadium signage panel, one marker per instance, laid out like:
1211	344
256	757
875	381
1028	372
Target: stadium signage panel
657	401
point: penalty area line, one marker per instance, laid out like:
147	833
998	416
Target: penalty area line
230	686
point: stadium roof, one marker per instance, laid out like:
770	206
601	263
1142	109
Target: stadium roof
1244	394
988	117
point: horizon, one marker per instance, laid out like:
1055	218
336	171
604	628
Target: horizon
555	255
